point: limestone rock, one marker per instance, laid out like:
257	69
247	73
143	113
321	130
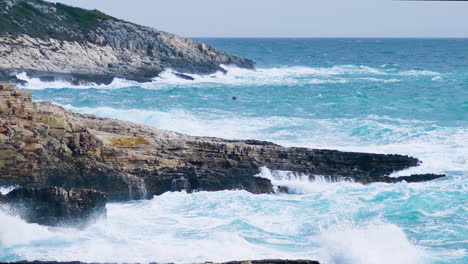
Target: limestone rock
53	41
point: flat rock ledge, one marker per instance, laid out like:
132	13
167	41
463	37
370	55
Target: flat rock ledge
42	144
271	261
55	206
411	178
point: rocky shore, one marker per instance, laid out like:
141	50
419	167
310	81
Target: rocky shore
53	41
42	144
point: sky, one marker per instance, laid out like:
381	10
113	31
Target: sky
291	18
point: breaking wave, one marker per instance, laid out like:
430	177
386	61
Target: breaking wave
297	75
333	223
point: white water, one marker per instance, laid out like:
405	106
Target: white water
297	75
6	189
222	226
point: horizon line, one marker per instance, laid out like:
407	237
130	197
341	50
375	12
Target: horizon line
240	37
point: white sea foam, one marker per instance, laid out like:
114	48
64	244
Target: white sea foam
297	75
311	223
299	183
6	189
375	242
234	225
37	84
380	80
14	231
418	73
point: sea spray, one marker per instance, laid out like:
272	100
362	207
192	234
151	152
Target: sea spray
300	183
332	222
367	243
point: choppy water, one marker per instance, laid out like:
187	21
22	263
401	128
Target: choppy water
386	96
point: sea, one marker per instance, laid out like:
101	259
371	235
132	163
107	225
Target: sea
402	96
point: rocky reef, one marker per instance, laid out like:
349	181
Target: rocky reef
42	144
55	206
53	41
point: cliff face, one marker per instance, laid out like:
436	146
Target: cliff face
56	41
42	144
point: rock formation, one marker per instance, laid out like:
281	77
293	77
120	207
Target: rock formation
55	206
54	41
411	178
42	144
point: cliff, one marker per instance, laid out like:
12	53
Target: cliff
56	41
42	144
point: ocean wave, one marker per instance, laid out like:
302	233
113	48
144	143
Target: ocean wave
37	84
380	80
296	75
374	242
299	183
234	225
419	73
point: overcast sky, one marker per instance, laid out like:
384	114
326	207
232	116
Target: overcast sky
291	18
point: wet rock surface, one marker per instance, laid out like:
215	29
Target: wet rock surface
53	41
411	178
42	144
56	206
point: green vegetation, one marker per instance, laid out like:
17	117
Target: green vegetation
84	18
65	22
4	21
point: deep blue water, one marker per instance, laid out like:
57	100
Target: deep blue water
407	96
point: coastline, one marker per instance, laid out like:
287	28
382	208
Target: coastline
122	143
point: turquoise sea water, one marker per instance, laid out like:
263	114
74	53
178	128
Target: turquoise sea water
406	96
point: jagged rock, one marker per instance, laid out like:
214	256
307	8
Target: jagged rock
282	189
184	76
53	41
56	206
42	144
411	178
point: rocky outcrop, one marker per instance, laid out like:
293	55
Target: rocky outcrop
55	41
55	206
411	178
42	144
272	261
